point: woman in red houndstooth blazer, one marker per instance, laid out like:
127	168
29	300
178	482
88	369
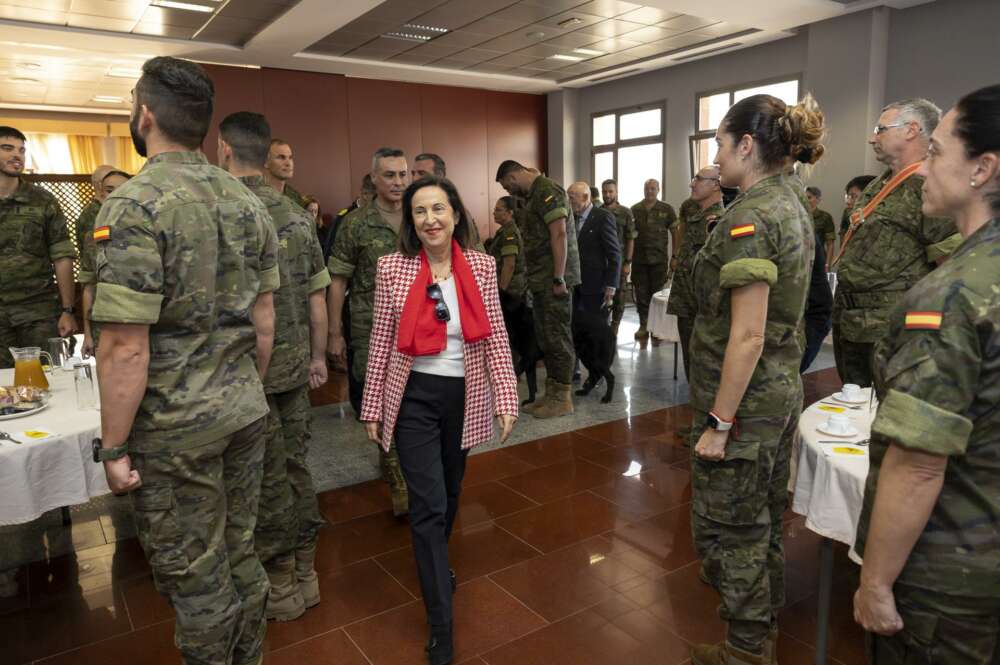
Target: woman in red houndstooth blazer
439	370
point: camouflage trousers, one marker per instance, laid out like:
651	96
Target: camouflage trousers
618	304
553	331
854	359
27	324
736	522
392	473
647	279
289	517
931	637
195	514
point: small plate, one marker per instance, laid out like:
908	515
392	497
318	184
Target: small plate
840	398
850	434
22	414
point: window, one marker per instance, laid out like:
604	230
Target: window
712	108
628	147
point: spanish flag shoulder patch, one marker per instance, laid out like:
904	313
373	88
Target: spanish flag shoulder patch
102	233
923	320
742	230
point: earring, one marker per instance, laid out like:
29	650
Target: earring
973	184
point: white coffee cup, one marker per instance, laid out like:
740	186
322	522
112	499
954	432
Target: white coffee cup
851	392
838	423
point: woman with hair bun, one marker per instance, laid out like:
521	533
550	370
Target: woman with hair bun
751	281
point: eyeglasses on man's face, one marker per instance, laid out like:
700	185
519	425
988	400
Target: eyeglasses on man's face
882	129
702	178
441	312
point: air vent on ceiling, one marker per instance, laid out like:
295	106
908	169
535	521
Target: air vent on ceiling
613	76
720	49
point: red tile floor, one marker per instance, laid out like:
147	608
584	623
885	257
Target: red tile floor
575	549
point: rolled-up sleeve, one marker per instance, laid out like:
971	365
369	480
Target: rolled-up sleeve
129	266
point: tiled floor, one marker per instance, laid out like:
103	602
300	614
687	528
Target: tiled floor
573	549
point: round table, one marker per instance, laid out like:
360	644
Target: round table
39	475
830	489
661	325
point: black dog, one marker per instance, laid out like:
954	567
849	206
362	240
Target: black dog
595	347
520	323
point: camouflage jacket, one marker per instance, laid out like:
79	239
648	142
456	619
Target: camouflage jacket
33	236
823	224
695	223
765	235
653	229
547	202
85	242
294	195
300	264
185	248
507	242
890	252
626	225
363	238
938	382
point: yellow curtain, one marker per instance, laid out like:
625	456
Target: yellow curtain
126	158
85	152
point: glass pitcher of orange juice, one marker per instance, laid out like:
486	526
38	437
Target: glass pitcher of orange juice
28	367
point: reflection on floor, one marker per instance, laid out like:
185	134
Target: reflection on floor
572	547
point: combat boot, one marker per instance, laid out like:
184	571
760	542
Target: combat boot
539	399
724	654
642	336
305	574
284	602
656	340
558	401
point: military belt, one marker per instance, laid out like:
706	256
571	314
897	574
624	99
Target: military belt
869	299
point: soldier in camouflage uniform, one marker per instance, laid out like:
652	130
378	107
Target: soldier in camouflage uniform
280	168
705	203
893	246
368	234
34	243
85	222
553	265
655	223
289	520
508	250
87	275
184	408
822	221
929	530
626	240
750	282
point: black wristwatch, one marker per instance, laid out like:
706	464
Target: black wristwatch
69	310
713	421
558	281
102	454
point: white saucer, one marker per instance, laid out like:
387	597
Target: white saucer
840	398
851	432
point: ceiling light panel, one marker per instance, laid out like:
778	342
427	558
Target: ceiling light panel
184	6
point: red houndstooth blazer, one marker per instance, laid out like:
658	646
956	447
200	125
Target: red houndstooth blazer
490	384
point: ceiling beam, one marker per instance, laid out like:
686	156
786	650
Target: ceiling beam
306	23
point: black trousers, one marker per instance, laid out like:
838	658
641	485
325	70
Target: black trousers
817	328
429	442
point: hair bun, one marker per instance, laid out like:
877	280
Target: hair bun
803	129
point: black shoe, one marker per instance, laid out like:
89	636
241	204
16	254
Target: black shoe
576	377
454	582
440	648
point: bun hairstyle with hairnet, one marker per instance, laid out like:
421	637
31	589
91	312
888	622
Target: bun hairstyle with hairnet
782	134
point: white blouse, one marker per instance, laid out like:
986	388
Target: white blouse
451	361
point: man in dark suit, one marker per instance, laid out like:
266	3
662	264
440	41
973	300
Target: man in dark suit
600	252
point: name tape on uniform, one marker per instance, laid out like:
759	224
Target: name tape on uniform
742	230
923	320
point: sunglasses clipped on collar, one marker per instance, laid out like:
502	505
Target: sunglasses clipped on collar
441	312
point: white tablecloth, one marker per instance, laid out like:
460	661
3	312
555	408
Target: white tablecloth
830	487
37	476
661	324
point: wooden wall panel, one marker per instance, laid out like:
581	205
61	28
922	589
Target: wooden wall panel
453	122
236	89
309	110
516	129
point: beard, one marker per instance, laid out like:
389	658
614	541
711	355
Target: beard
138	140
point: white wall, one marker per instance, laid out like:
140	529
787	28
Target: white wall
853	64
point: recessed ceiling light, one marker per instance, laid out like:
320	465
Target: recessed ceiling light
570	22
124	73
187	6
408	36
428	28
567	58
535	35
107	99
23	79
587	51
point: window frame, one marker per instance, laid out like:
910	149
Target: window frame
731	90
613	148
